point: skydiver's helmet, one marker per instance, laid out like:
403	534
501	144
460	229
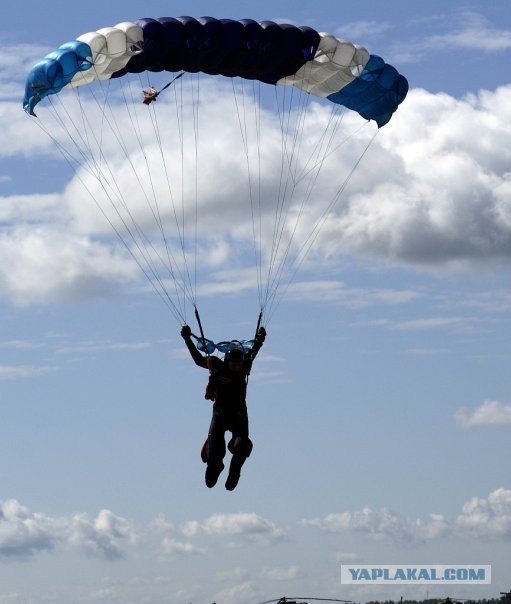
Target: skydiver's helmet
235	353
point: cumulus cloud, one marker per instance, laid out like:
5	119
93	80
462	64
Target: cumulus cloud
247	526
170	547
490	413
24	533
383	523
446	202
490	517
44	264
480	518
15	62
103	536
431	193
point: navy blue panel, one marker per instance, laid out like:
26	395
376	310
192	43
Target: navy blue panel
155	45
265	51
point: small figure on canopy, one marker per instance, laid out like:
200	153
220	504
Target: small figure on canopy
150	94
227	388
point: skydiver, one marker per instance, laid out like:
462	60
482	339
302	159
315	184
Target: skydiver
227	388
150	94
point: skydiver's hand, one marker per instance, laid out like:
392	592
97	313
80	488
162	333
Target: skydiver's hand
186	332
261	334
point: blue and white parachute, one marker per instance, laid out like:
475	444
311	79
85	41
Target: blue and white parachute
278	54
168	177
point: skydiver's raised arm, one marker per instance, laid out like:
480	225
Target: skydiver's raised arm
259	341
199	359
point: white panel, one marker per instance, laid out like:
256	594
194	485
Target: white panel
336	64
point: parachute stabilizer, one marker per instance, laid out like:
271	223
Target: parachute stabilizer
279	54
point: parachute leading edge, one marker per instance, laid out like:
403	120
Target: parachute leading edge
279	54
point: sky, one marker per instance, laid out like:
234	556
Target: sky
379	406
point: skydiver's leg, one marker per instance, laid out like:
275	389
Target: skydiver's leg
215	447
240	446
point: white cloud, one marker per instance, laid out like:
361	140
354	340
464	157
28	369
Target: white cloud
171	547
480	518
438	323
356	31
15	598
489	517
248	526
227	576
282	573
427	351
430	194
161	523
490	413
44	264
18	136
14	372
474	32
336	292
457	31
242	592
15	62
104	536
346	557
24	533
444	202
88	347
383	523
19	345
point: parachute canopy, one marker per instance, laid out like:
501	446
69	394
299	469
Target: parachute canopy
279	54
224	184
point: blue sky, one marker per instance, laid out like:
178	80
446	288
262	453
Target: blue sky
379	406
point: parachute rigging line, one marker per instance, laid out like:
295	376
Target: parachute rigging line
155	186
159	291
291	175
99	167
309	242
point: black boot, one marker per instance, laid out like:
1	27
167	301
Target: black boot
234	472
213	471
